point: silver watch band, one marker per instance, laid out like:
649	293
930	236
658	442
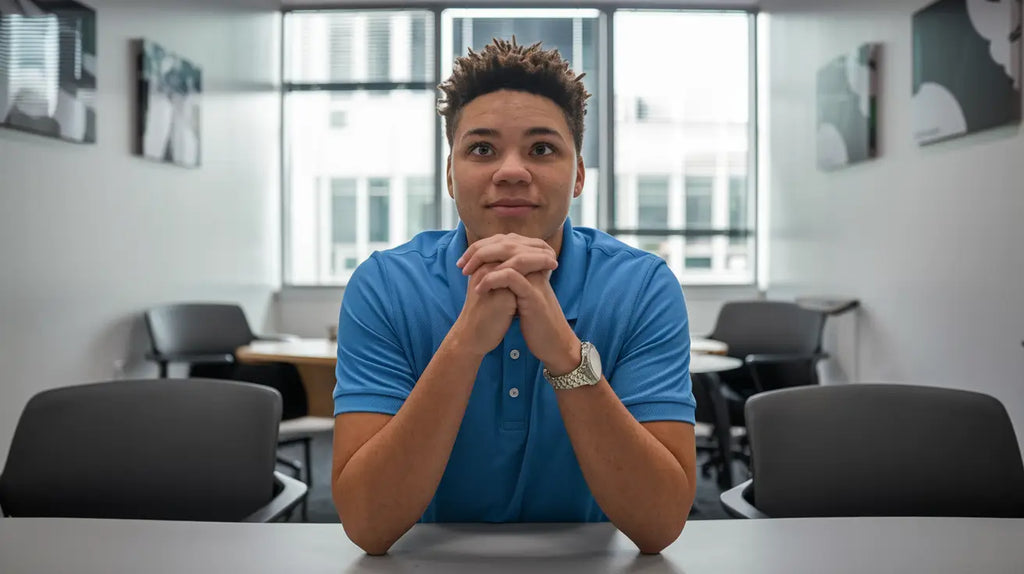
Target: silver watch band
572	380
581	376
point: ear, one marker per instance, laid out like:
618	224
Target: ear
581	176
448	177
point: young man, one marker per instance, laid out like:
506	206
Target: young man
516	368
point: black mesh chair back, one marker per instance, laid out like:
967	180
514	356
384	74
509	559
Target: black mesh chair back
198	328
883	450
149	449
206	335
779	341
768	327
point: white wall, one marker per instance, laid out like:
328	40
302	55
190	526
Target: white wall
91	235
929	238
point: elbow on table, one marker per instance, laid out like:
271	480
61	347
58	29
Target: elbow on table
372	545
653	546
655	542
357	527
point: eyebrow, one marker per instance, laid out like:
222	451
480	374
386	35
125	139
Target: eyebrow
534	131
483	132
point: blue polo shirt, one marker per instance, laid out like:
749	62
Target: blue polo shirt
512	460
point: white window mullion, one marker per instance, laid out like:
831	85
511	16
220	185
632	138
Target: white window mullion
324	242
401	56
363	217
360	48
398	208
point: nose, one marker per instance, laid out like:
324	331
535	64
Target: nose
512	171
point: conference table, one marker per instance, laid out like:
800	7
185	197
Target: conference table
315	360
784	546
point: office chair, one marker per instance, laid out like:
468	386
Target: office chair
780	345
162	449
879	450
205	336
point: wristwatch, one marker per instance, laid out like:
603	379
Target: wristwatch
587	374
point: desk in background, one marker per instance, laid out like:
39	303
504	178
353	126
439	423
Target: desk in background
784	546
314	359
705	346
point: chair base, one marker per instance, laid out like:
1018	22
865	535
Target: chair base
297	466
300	431
739	450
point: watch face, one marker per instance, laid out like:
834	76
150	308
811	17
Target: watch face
595	362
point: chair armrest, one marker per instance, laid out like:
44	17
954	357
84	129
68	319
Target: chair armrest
775	358
736	504
292	464
291	492
279	337
191	357
828	306
304	427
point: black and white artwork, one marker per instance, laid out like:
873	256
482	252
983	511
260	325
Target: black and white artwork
966	67
169	95
847	108
48	68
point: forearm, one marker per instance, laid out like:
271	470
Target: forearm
388	483
635	479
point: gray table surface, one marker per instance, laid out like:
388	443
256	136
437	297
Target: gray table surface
701	364
818	545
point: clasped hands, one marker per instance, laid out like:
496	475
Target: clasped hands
511	274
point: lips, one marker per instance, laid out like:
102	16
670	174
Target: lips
512	203
511	207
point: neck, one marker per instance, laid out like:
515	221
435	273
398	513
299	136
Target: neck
555	241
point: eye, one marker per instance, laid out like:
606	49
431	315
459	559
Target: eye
543	149
481	150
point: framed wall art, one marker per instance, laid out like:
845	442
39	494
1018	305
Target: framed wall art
169	92
847	108
967	67
48	68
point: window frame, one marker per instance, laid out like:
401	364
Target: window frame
606	201
288	87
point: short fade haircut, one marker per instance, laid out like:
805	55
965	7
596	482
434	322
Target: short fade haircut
504	65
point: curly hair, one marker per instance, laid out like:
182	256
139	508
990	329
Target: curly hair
504	65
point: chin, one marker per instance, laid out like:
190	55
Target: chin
525	230
500	225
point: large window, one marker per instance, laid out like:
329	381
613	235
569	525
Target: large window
684	140
668	157
419	204
360	135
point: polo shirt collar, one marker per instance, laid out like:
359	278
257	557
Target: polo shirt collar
567	281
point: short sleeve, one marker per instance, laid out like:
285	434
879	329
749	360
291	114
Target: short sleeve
652	375
373	372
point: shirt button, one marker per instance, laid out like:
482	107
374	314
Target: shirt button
513	392
514	353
